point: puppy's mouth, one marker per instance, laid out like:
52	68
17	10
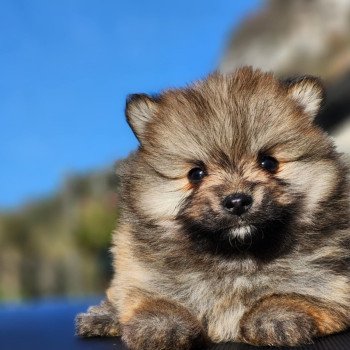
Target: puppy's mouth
241	231
264	241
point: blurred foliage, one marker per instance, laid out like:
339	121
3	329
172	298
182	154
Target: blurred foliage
59	245
94	227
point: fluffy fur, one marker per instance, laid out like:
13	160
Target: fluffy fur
188	272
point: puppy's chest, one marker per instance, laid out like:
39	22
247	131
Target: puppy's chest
219	302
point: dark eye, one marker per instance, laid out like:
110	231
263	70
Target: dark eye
269	163
196	175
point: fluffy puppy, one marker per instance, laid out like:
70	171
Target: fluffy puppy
235	220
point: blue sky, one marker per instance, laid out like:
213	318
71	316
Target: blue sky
67	65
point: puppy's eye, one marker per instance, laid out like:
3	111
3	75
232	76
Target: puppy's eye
269	163
196	175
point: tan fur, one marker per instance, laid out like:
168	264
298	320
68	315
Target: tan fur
324	321
276	275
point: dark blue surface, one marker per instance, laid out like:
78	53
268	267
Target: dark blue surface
47	325
50	325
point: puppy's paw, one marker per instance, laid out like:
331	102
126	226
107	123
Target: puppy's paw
163	329
98	321
278	327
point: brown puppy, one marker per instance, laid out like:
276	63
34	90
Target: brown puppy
235	223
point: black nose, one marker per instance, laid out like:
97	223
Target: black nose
237	203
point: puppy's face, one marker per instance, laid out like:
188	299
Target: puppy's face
234	161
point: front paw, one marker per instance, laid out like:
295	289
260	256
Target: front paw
98	321
162	331
277	328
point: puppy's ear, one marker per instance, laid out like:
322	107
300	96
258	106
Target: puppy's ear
140	110
308	92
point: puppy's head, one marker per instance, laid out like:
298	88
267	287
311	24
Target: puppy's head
235	160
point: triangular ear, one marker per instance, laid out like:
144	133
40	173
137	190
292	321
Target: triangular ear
308	92
140	110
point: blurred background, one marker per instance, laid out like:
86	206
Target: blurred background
67	67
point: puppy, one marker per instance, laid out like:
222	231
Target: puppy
235	219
